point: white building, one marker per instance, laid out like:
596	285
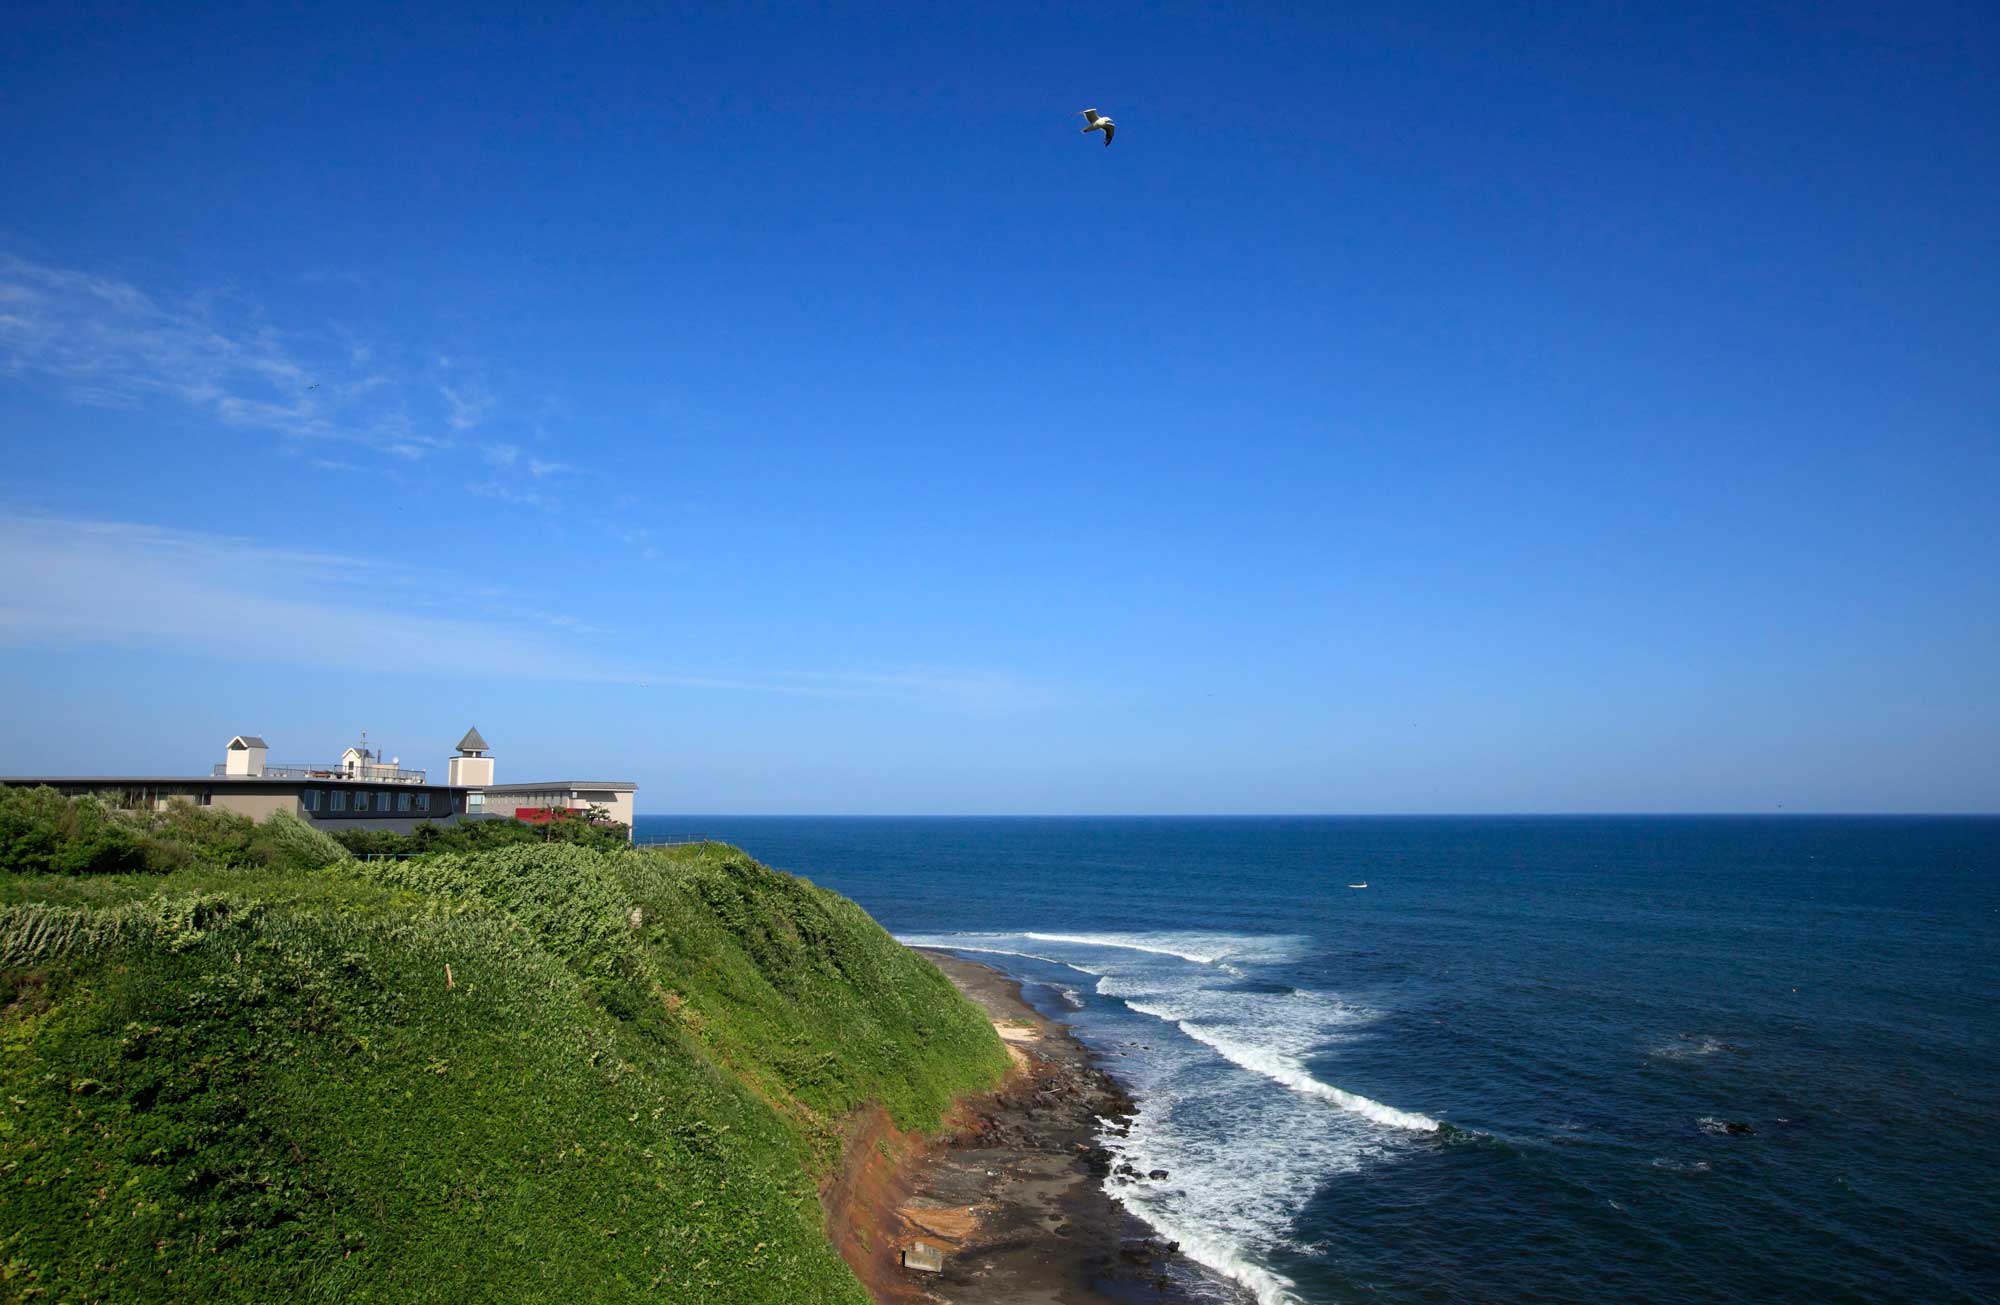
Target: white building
360	791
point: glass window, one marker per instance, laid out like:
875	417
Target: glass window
402	802
361	799
385	802
423	801
337	800
309	799
476	801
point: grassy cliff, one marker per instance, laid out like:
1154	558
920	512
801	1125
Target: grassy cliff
542	1072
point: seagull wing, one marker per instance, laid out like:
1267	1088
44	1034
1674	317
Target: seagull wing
1089	115
1108	129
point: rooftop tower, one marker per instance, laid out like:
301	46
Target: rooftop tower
471	767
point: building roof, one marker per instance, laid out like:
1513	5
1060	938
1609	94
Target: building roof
472	742
549	785
217	782
248	741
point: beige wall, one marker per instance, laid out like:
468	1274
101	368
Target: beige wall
255	805
469	772
620	804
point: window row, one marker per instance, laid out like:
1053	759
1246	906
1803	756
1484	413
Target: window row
366	801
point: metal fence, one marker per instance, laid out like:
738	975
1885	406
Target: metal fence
329	770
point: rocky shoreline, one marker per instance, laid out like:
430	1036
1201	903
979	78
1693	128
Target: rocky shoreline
1007	1206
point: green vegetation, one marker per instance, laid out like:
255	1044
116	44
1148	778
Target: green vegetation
42	831
536	1072
484	835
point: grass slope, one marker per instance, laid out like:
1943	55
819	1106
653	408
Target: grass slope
256	1083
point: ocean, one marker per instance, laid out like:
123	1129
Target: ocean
1537	1059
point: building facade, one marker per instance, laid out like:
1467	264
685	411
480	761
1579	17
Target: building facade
360	791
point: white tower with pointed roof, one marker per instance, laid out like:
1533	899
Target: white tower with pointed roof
471	767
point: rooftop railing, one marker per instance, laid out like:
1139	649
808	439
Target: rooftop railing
370	774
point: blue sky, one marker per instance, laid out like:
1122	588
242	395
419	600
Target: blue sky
1417	408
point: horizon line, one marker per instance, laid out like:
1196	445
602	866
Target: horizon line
1322	815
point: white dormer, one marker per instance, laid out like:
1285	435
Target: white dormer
245	756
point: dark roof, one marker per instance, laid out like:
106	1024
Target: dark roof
472	742
248	741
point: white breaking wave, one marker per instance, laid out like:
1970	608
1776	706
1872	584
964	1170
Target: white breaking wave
955	943
1284	1069
1124	943
1225	1103
1222	1255
1202	948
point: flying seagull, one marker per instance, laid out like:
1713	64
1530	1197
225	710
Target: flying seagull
1098	122
313	386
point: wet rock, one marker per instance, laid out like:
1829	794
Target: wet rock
1157	1174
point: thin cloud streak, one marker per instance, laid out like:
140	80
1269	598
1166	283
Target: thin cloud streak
131	585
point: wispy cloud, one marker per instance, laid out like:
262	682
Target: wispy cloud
109	343
129	585
467	404
337	398
502	492
637	538
148	588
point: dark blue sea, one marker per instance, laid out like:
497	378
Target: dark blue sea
1590	1060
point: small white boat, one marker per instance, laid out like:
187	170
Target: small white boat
1357	885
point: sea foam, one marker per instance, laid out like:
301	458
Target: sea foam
1243	1156
1289	1071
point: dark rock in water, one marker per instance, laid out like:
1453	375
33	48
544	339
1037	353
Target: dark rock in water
1737	1127
1157	1174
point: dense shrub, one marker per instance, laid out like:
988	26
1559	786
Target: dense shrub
484	835
43	832
533	1072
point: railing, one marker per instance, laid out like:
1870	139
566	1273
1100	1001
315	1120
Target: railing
329	770
672	842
